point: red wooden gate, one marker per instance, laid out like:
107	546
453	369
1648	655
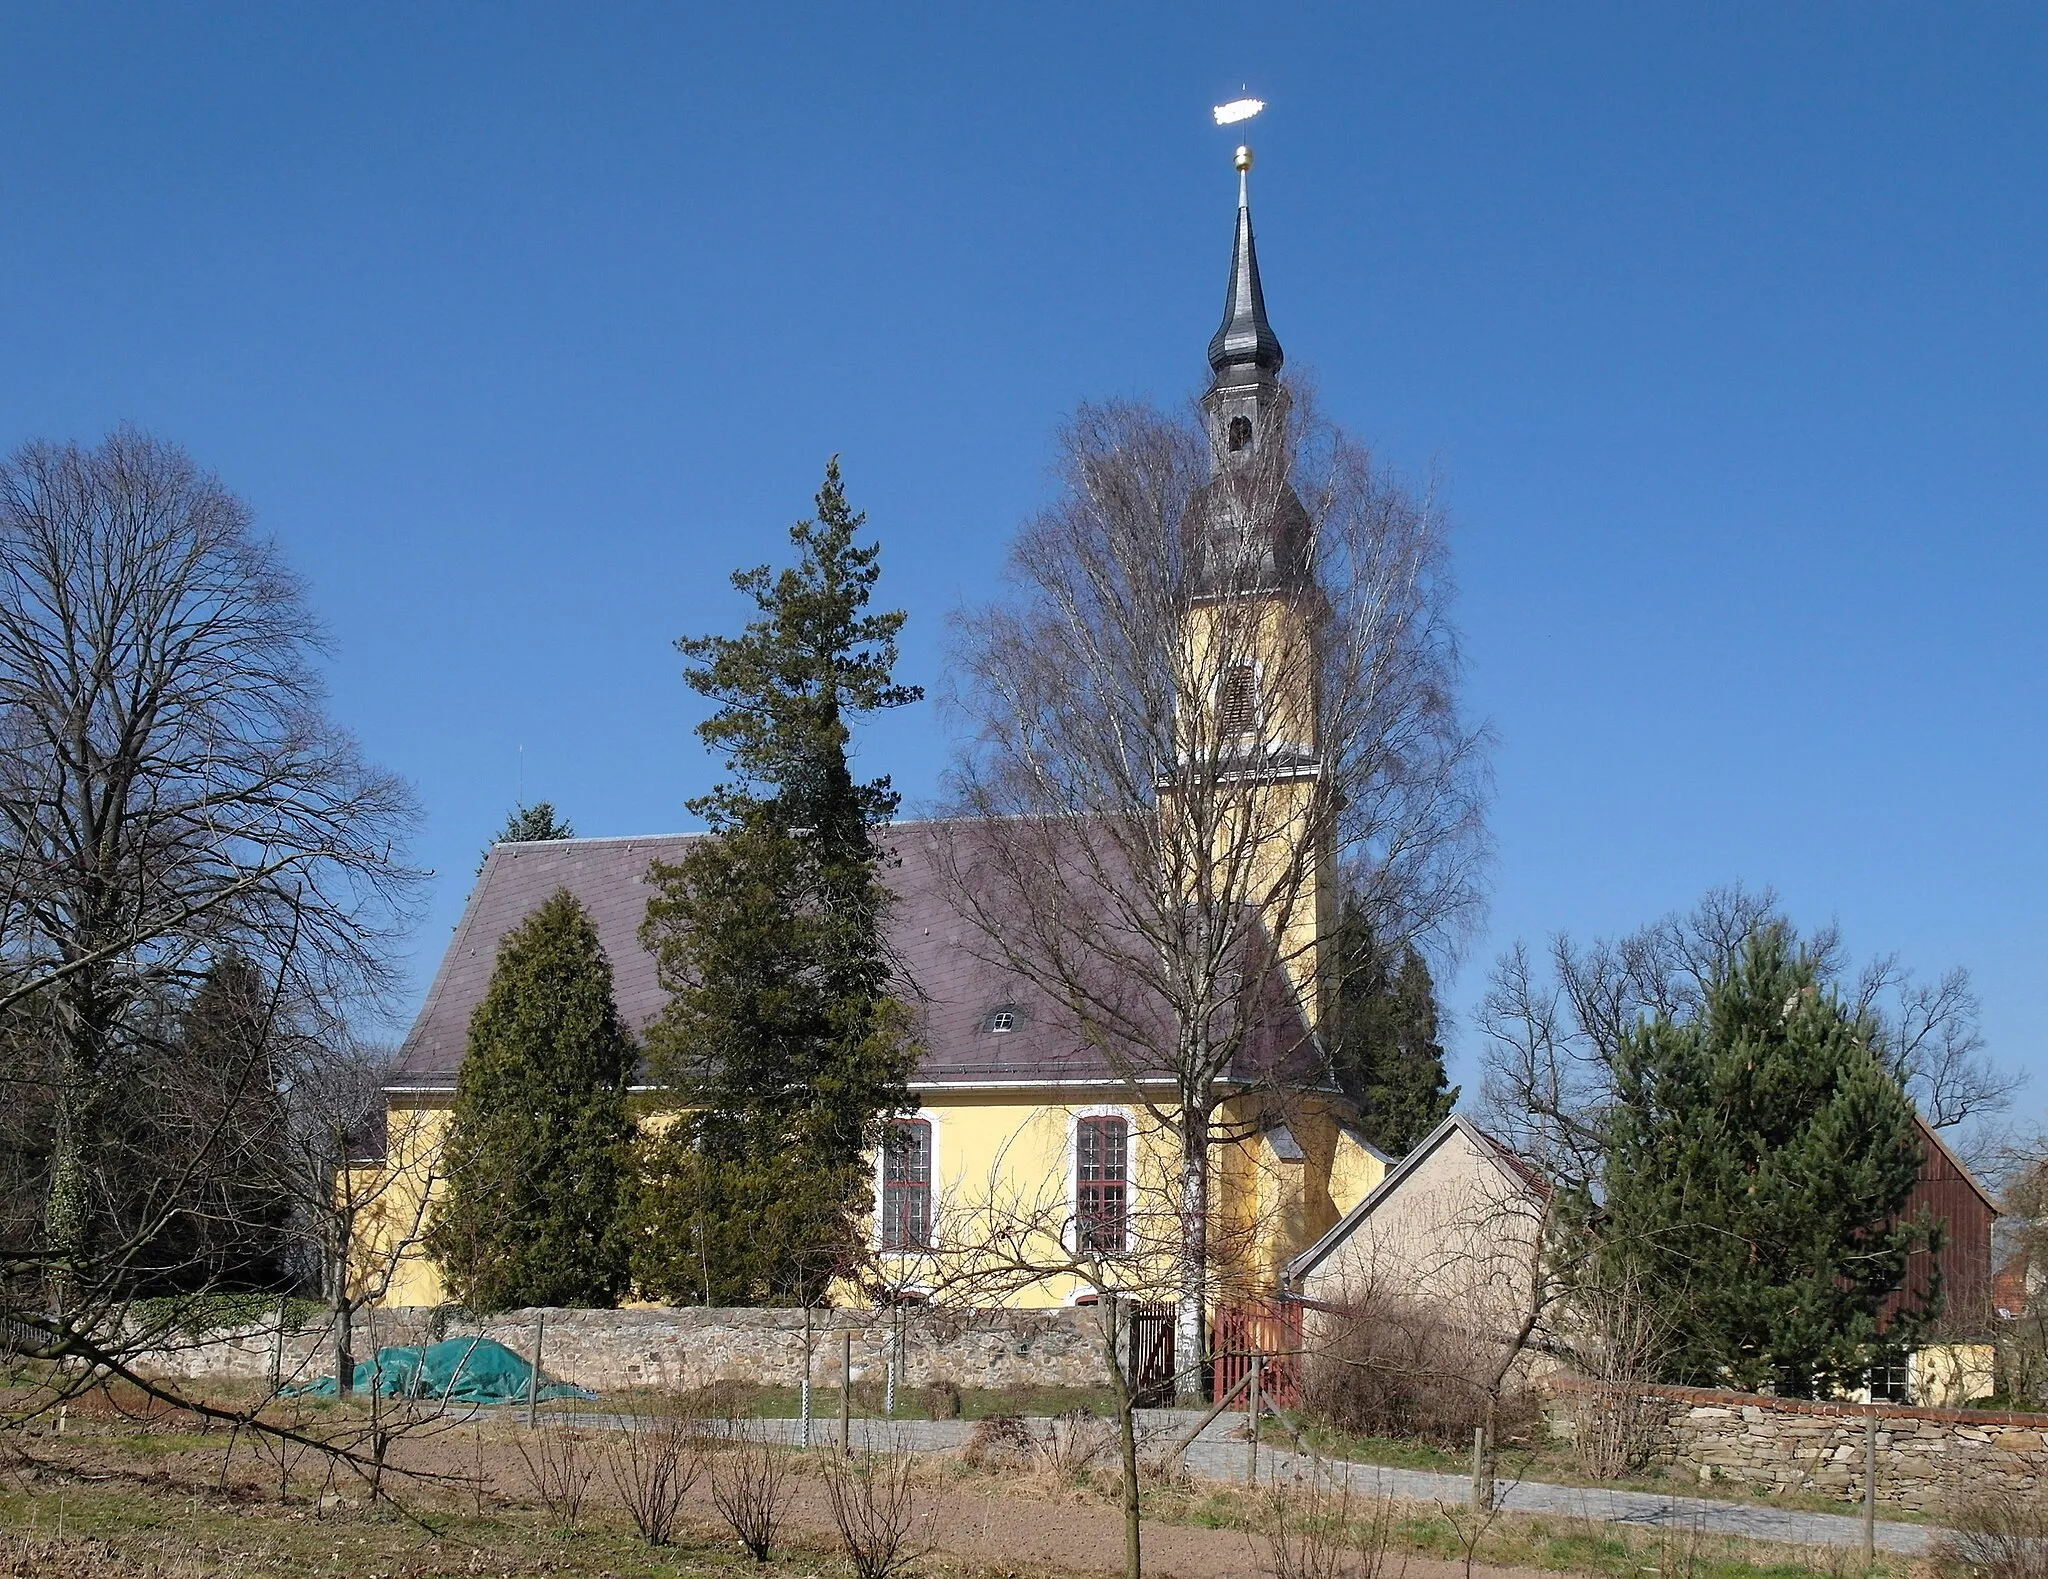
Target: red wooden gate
1270	1328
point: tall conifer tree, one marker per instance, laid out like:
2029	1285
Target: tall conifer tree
537	1145
781	1037
1758	1159
209	1125
1383	1044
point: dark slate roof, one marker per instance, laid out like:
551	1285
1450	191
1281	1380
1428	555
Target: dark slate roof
956	990
1244	349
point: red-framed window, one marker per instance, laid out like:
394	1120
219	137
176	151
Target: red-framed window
907	1185
1102	1165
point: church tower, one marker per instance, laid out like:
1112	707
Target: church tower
1251	634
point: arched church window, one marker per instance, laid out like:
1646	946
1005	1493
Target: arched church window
1240	434
1237	700
907	1185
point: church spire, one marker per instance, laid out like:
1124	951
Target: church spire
1244	349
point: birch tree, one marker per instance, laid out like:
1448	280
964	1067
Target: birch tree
1200	699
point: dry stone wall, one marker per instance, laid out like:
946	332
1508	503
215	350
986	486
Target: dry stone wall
675	1350
1927	1459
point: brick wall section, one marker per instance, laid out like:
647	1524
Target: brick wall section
1927	1459
678	1349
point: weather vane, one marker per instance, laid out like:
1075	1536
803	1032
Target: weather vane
1229	115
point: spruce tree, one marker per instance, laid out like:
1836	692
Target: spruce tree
528	825
1383	1044
537	1144
781	1038
1757	1162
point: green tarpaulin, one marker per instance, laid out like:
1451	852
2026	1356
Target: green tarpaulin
462	1370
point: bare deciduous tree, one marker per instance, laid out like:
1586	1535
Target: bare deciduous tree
356	1178
172	796
1218	674
1551	1035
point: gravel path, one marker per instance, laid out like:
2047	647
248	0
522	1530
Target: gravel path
1216	1455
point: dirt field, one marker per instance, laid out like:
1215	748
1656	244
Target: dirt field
121	1497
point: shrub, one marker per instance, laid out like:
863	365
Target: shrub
1072	1442
999	1442
653	1462
559	1466
942	1401
1384	1366
751	1488
1317	1530
876	1512
1996	1535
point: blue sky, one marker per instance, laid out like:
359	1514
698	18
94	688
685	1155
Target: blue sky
1723	328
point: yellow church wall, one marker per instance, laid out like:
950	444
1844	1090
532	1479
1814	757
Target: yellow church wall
1269	1207
387	1262
1355	1172
1003	1164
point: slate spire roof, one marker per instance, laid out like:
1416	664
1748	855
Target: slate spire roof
1244	349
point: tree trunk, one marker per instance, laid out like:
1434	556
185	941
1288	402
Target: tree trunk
1189	1350
68	1217
344	1336
1114	1341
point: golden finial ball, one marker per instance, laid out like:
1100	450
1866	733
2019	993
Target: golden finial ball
1244	157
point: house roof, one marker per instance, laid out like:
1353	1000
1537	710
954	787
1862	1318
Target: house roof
955	988
1514	1170
1932	1136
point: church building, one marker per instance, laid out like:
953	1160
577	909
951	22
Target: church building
1013	1104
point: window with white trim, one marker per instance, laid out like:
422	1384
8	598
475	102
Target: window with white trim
1102	1168
907	1185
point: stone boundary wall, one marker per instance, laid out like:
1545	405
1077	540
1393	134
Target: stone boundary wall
676	1349
1927	1459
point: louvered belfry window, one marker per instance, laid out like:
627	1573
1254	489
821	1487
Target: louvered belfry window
907	1185
1237	700
1102	1162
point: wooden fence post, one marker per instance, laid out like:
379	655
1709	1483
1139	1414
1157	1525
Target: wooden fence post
540	1325
846	1392
1252	1410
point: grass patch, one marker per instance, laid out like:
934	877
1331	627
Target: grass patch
1558	1545
1554	1464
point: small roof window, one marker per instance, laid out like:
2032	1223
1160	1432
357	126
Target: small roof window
1002	1019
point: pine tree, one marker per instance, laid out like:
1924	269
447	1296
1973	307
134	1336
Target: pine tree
781	1037
1757	1161
1383	1043
538	1141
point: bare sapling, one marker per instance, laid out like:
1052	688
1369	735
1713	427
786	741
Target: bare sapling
877	1511
1316	1528
2000	1533
1616	1423
752	1489
560	1462
652	1464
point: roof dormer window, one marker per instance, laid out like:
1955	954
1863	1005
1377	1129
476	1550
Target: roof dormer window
1002	1020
